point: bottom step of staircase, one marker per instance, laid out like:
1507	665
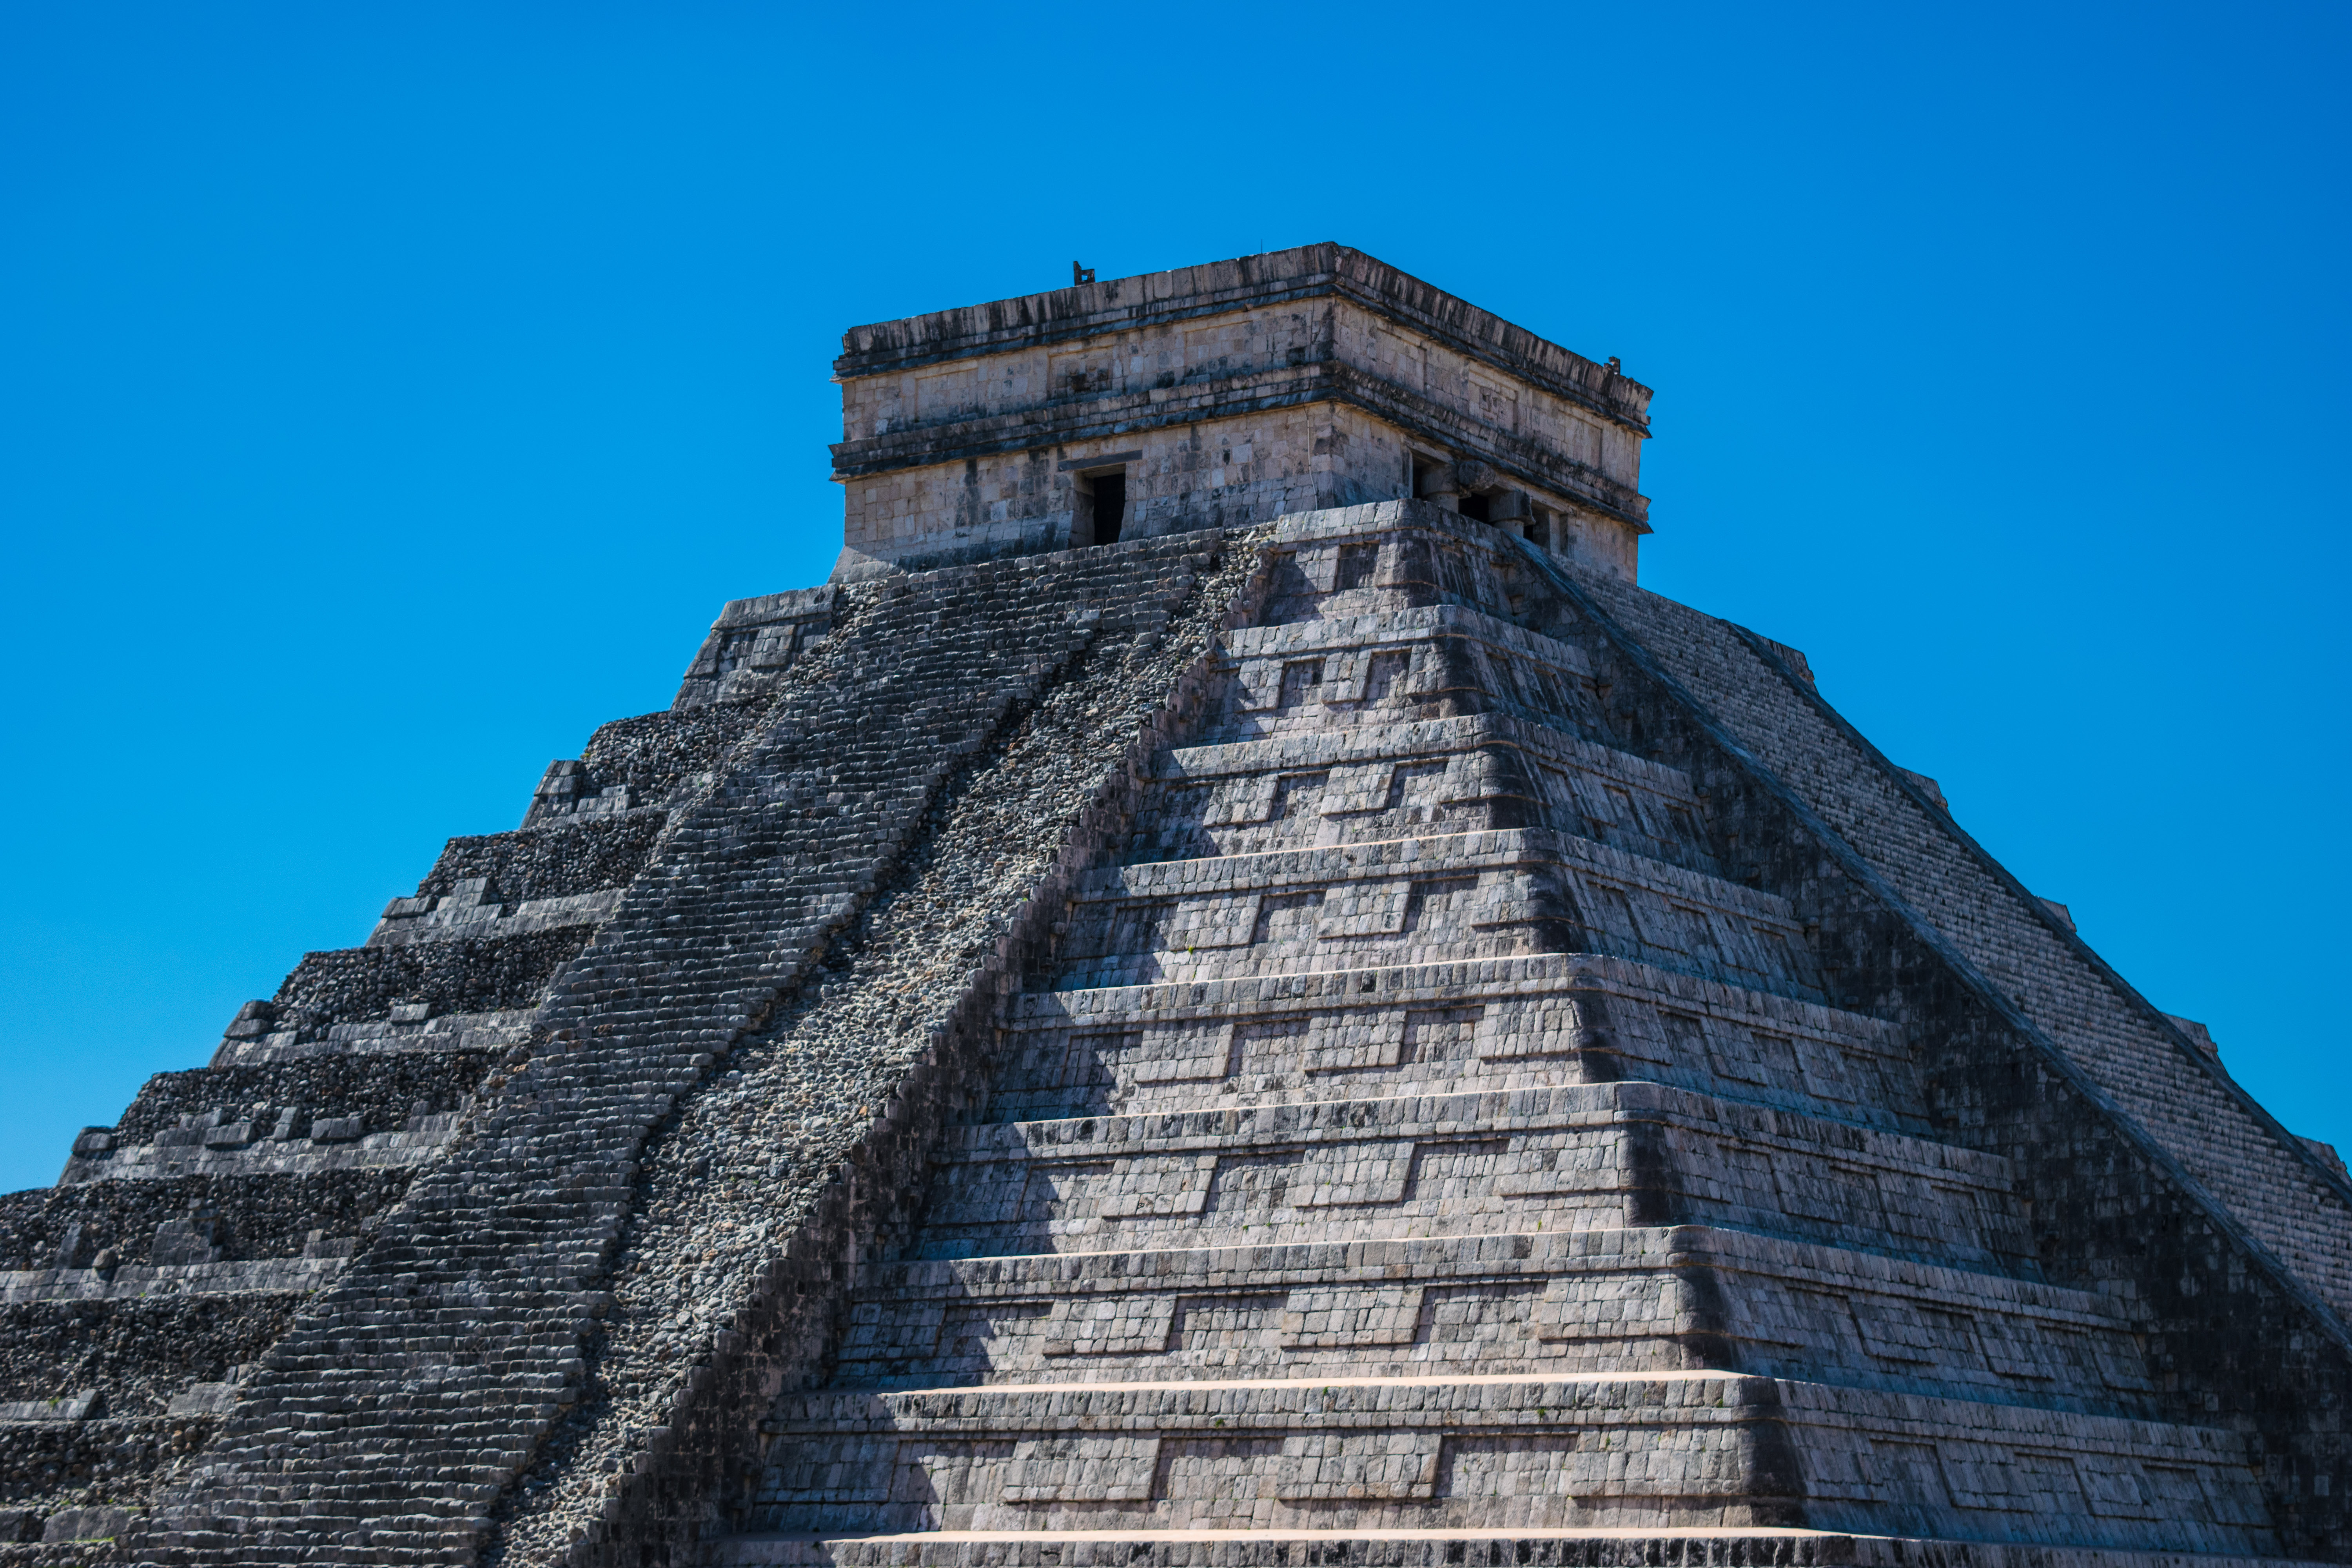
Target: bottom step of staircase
1743	1548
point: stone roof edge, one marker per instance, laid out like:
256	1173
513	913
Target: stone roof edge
1851	861
763	608
1302	272
2040	909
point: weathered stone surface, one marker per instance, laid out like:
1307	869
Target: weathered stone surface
1309	1033
1325	1043
549	862
1228	393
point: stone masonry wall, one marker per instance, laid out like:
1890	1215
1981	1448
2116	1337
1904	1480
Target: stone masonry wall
261	1217
1142	352
2237	1337
142	1351
960	429
465	1318
1184	369
91	1463
470	974
2296	1204
633	764
546	862
381	1094
752	643
1208	474
1205	473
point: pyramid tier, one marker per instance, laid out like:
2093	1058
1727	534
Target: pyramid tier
1464	1548
1650	1298
1575	1157
1422	899
1563	1452
1435	660
1376	781
1525	1021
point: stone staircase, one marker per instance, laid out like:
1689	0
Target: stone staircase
1428	1131
400	1405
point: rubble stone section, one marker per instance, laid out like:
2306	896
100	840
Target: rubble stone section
648	764
555	862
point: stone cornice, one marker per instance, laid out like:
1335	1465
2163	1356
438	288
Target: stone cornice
1517	456
1102	417
1312	271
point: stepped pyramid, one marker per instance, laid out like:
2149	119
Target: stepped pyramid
1230	992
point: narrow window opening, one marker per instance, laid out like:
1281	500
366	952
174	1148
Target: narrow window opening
1421	469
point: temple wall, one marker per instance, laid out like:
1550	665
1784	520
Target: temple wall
1214	473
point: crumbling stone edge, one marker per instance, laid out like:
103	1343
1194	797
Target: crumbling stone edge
1989	995
2239	1340
1769	651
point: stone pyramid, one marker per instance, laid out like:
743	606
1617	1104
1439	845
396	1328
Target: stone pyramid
1232	991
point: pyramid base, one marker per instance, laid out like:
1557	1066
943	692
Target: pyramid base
1744	1548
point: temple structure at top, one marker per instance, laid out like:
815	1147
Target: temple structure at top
1220	394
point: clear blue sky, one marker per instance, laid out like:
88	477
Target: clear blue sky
393	393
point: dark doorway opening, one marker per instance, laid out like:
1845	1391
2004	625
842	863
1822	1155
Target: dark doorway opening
1474	508
1110	507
